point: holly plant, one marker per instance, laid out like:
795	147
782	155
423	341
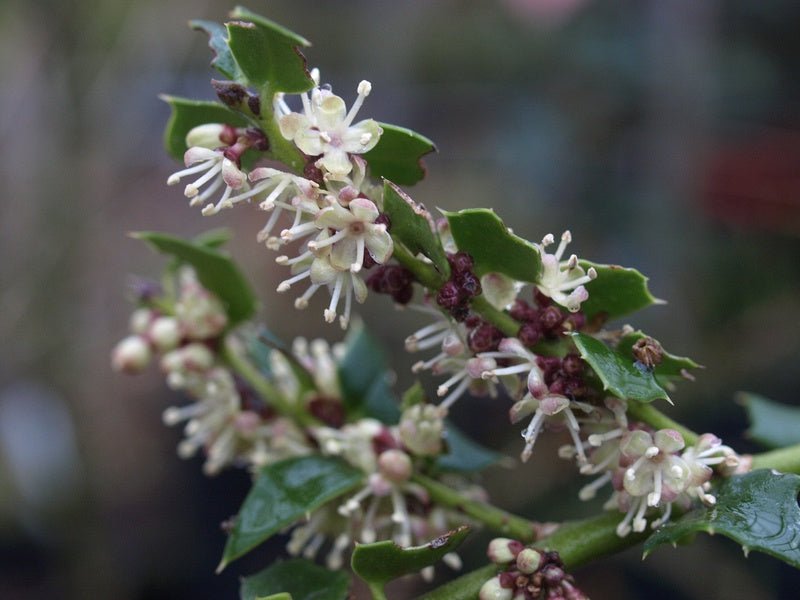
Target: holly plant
364	481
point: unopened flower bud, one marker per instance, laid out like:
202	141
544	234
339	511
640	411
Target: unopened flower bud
193	357
205	136
421	429
493	590
529	561
140	320
131	355
395	465
503	550
164	333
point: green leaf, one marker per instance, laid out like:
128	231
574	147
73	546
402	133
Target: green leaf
482	234
363	377
223	60
465	455
758	510
296	579
616	292
268	54
282	494
413	396
771	424
398	155
379	563
413	226
213	238
671	367
188	114
619	374
215	270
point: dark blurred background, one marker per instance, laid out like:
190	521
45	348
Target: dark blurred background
665	134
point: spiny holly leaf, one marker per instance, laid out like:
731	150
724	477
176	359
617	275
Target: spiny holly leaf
671	367
465	455
482	234
188	114
617	291
412	225
363	376
296	579
283	493
213	238
215	270
267	53
758	510
223	60
771	424
398	155
620	375
379	563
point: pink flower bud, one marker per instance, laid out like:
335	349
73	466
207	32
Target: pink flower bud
164	333
395	465
131	355
529	561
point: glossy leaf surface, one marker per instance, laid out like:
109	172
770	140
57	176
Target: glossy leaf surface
282	494
483	235
267	53
296	579
398	155
758	510
616	292
412	225
379	563
619	374
223	60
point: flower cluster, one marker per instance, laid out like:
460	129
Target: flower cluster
528	574
334	211
390	505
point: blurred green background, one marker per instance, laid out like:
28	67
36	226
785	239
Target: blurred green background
664	134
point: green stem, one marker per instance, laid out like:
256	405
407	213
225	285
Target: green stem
495	518
647	413
503	321
423	272
376	589
280	149
786	460
233	355
576	542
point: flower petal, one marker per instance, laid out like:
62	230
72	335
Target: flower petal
323	272
379	243
364	210
361	137
329	110
334	216
344	253
335	160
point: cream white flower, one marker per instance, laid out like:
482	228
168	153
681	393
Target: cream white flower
563	280
217	170
326	128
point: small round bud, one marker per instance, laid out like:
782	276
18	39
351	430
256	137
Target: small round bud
205	136
449	296
140	320
493	590
529	561
395	465
503	550
131	355
164	333
421	429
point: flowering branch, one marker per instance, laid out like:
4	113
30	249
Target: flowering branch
502	522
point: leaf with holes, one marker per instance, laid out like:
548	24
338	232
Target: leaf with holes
413	226
267	53
283	493
215	270
771	424
484	236
671	368
223	60
398	155
758	510
617	291
619	375
381	562
188	114
296	579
